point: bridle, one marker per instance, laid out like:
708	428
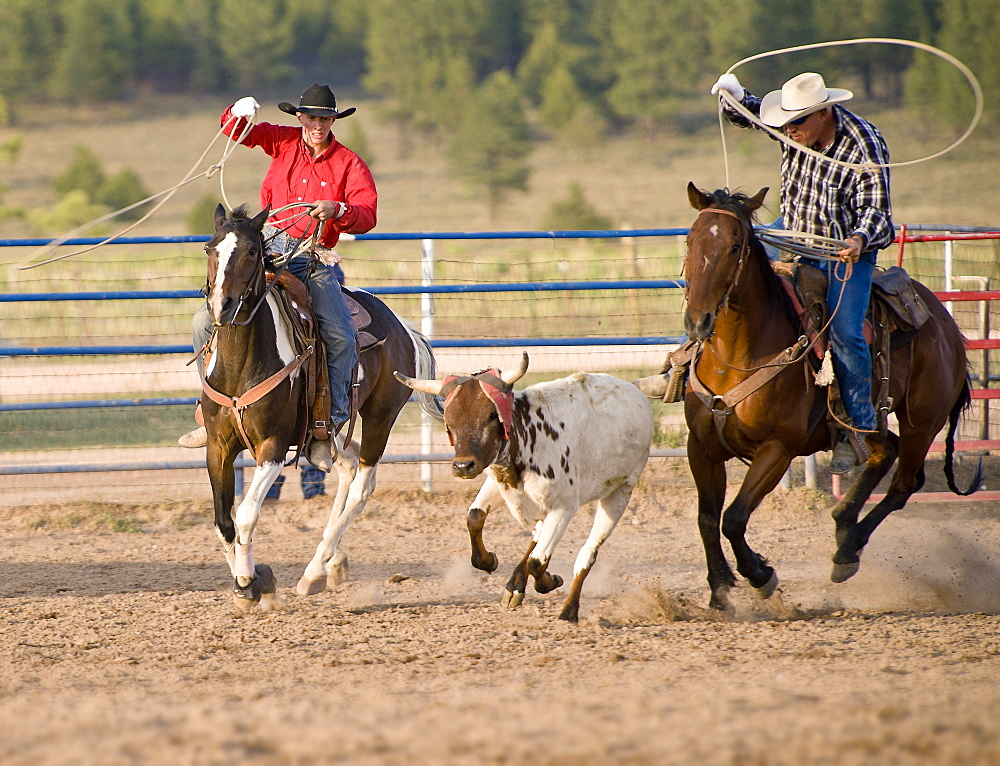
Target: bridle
744	249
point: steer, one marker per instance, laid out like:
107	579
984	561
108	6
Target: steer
549	449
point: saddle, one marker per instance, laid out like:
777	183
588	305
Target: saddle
295	304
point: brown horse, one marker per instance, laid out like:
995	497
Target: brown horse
742	320
256	366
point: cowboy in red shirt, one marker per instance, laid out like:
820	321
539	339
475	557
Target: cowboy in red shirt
309	165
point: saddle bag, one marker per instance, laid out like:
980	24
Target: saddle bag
895	289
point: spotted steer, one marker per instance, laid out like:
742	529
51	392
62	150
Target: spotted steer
549	449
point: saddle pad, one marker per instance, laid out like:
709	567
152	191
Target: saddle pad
370	331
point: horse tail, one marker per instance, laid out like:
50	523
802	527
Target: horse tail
961	404
425	368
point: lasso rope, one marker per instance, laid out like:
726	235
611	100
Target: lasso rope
803	243
742	110
192	175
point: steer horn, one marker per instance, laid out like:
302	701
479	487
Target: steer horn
418	384
655	386
512	376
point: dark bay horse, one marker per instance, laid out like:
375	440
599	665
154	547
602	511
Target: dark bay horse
256	365
742	320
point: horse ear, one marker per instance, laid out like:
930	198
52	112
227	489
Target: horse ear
219	216
698	199
261	218
758	199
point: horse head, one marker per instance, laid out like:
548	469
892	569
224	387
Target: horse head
718	246
235	262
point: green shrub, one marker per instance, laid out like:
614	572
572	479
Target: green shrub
201	216
84	172
574	212
123	189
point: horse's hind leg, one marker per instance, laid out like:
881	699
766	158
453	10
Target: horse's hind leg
327	568
845	513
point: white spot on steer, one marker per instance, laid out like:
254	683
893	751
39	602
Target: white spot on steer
225	251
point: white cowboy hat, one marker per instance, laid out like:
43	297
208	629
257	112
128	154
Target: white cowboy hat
802	95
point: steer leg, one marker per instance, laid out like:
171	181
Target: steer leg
548	533
487	499
609	512
514	595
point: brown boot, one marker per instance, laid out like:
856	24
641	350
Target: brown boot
321	454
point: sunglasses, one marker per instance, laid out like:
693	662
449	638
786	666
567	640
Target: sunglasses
800	120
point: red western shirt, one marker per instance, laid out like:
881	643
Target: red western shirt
337	174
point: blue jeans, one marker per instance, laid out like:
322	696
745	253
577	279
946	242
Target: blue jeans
852	362
333	321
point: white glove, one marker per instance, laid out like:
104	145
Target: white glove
245	107
730	84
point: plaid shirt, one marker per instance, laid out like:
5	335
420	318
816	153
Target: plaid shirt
829	200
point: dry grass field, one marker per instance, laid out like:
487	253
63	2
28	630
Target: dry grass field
637	182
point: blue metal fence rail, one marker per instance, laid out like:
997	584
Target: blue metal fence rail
381	290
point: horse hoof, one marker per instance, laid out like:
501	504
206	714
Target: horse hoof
843	572
570	613
263	583
336	575
767	590
512	599
310	586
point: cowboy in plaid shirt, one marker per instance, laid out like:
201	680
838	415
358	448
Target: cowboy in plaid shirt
830	200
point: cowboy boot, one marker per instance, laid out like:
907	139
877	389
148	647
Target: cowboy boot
321	453
196	438
850	451
199	436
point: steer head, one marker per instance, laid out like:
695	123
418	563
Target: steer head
478	409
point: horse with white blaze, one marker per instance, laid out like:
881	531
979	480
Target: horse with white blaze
549	449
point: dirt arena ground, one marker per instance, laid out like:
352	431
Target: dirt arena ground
121	644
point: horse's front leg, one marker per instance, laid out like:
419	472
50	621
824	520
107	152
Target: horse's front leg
852	536
219	461
768	466
252	580
710	480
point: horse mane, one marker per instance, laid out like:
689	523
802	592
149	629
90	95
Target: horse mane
240	214
739	203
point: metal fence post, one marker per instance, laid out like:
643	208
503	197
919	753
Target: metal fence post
427	328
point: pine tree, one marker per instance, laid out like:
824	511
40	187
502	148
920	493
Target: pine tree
492	146
94	62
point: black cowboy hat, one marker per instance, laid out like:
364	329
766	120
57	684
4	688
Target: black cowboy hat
319	101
